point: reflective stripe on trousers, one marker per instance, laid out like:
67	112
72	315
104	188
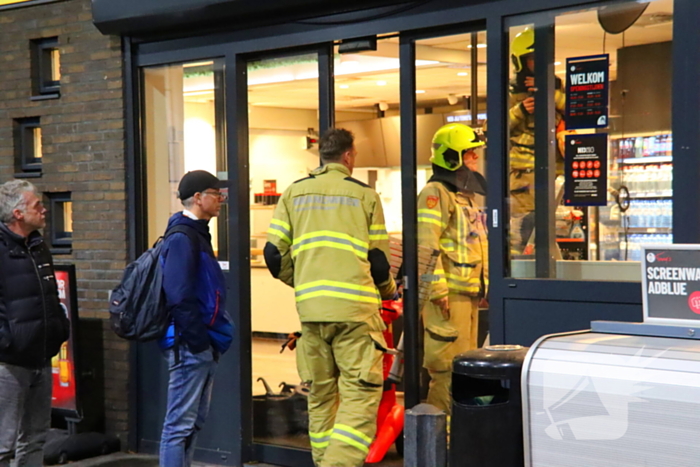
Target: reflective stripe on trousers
351	436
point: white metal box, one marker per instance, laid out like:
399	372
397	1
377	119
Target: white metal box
600	399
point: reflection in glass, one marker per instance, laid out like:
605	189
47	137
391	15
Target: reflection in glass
600	243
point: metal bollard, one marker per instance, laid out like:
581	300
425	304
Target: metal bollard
425	437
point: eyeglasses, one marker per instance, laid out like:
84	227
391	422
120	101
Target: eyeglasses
220	195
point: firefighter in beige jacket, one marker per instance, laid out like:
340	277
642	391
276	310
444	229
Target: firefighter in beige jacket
449	221
328	240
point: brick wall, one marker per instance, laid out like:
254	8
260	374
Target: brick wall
83	153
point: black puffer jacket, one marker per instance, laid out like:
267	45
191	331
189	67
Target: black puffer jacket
33	324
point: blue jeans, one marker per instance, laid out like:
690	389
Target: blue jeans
25	414
189	397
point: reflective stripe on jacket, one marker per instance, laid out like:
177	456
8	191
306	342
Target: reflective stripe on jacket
327	239
450	222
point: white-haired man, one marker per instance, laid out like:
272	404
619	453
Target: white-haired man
32	325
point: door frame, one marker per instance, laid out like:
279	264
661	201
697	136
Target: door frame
238	135
234	46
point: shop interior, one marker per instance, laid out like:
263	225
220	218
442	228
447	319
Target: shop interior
183	131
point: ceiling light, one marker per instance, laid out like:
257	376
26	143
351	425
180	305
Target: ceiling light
480	46
381	83
343	86
462	73
420	91
193	64
557	63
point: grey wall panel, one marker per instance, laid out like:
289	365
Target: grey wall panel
152	377
527	320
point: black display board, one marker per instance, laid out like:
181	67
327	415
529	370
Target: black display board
586	170
671	284
587	91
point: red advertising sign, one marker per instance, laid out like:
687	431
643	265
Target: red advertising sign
63	364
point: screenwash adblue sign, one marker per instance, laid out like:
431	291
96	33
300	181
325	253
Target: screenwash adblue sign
671	284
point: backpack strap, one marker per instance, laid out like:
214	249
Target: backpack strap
194	239
182	228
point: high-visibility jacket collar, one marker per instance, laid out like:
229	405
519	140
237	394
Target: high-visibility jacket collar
331	167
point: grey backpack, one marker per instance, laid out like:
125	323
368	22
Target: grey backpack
137	305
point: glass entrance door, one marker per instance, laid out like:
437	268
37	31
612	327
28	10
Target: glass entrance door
451	158
283	108
183	122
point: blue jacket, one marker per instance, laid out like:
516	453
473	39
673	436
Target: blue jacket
195	290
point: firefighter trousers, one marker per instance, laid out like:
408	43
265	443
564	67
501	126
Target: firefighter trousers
444	339
343	362
522	208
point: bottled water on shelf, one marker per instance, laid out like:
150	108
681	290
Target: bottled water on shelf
635	242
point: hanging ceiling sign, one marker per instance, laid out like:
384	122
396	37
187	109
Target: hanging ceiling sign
587	91
585	172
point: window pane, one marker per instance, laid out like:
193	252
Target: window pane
68	217
367	102
27	144
521	155
598	240
55	65
182	124
451	70
59	219
283	112
47	66
37	144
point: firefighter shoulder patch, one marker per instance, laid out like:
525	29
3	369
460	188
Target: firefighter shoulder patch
432	201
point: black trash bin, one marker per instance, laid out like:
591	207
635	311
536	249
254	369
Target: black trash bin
486	429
